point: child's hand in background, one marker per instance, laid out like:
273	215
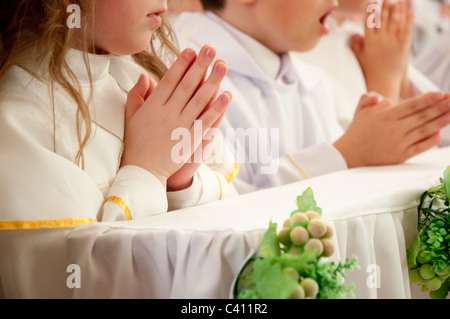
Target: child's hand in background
182	96
383	53
387	134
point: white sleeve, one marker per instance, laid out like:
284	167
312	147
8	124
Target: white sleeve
214	180
135	193
40	188
309	162
207	186
302	164
421	83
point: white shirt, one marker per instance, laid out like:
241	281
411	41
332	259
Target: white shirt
42	187
428	25
434	62
271	94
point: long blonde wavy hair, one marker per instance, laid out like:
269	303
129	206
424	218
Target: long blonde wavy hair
26	25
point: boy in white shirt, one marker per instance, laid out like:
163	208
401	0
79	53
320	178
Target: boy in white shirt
273	91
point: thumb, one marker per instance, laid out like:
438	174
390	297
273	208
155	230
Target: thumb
356	43
137	95
368	99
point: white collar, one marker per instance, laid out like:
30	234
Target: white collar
98	65
266	59
199	29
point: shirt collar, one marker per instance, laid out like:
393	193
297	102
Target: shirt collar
268	61
243	54
97	64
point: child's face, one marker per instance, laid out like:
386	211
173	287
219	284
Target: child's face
354	6
124	27
291	25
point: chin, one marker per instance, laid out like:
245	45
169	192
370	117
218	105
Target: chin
130	47
306	46
130	50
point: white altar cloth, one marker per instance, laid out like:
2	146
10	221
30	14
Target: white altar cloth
198	252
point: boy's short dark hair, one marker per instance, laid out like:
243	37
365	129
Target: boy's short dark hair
213	5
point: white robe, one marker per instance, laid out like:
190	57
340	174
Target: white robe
42	187
434	62
271	95
428	25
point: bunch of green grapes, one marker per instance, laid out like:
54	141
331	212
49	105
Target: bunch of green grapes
289	263
307	231
307	287
432	268
304	232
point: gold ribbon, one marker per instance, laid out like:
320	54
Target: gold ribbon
220	186
233	172
46	223
305	176
121	203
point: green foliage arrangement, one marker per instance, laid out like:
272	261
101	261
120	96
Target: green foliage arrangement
290	265
428	256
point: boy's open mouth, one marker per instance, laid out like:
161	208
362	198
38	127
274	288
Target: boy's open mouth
323	19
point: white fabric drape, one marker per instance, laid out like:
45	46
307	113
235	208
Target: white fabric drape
197	252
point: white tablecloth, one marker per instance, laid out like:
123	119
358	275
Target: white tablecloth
198	252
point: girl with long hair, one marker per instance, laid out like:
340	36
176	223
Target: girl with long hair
88	108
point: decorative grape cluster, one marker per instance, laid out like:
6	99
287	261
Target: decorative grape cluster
300	233
307	231
432	267
289	263
307	287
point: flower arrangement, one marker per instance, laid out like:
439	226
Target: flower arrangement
290	263
428	256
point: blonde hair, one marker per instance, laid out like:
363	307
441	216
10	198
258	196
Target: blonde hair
40	27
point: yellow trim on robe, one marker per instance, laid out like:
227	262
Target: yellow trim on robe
305	176
220	186
121	203
46	223
191	40
232	173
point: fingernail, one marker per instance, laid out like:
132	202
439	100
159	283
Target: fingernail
189	53
380	98
225	99
221	69
209	53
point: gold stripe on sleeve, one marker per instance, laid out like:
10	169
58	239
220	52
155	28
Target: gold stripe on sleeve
47	223
220	186
121	204
305	176
233	172
191	40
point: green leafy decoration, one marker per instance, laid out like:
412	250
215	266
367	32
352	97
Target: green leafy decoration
269	245
269	275
446	181
270	282
303	263
413	251
429	255
442	292
306	202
